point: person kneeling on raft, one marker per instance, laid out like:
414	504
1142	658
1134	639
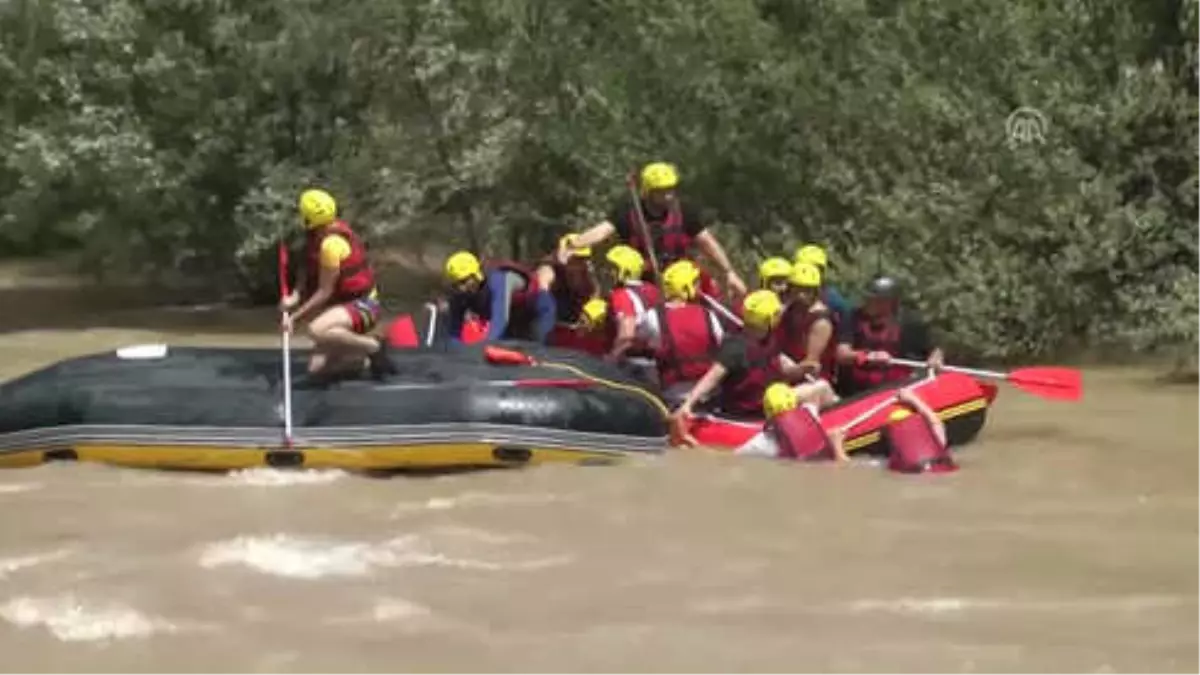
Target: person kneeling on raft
689	336
878	331
808	326
504	297
340	291
746	363
563	289
793	428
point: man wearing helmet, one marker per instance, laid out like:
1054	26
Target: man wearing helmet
877	331
675	229
815	255
339	291
807	331
747	364
793	427
689	334
502	295
773	274
631	302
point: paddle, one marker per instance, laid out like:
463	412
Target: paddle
631	183
1050	382
287	349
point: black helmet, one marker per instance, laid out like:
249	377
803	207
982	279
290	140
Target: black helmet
884	287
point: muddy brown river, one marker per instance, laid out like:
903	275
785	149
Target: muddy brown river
1067	542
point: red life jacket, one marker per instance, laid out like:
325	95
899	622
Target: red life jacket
800	436
867	338
913	447
644	297
671	240
356	278
742	394
794	329
687	343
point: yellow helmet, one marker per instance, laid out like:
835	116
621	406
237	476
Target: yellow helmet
762	309
628	262
461	266
595	311
805	275
813	255
569	240
659	176
778	399
773	268
681	280
899	414
317	207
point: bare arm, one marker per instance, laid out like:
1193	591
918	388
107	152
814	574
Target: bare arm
702	388
713	250
327	282
935	422
626	331
818	339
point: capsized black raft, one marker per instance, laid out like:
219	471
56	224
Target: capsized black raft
221	409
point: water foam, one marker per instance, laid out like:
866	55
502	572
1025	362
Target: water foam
948	605
15	488
278	478
70	620
470	499
287	556
10	565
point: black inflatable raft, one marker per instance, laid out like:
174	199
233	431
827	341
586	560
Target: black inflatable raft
220	409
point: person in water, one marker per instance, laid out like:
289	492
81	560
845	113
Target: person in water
916	442
339	293
631	301
878	331
746	364
830	295
675	228
563	289
503	296
793	425
689	335
808	330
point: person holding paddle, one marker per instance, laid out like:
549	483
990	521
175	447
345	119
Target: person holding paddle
879	331
339	292
662	227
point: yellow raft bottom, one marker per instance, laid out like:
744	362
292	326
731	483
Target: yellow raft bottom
365	458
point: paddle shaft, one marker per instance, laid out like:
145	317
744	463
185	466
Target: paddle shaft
287	349
909	363
644	227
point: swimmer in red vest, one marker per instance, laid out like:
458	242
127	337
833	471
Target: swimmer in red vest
676	229
631	303
916	443
808	329
747	364
878	331
563	289
689	334
339	292
501	293
793	428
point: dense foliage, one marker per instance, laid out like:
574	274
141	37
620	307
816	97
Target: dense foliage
174	136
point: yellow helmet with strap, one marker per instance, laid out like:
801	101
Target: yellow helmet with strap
772	269
318	208
813	255
659	176
805	275
461	266
762	310
681	280
778	399
628	263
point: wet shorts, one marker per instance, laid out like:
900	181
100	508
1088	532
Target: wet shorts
364	313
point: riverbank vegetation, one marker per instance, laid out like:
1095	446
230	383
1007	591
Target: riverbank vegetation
1028	168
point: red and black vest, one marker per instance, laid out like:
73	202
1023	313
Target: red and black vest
670	238
913	447
356	277
687	343
742	393
884	338
794	329
800	436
